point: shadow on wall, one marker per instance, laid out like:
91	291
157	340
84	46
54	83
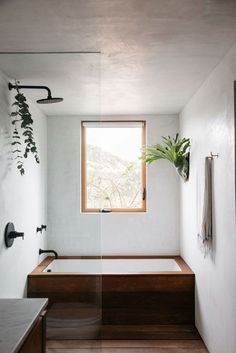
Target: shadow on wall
5	142
5	130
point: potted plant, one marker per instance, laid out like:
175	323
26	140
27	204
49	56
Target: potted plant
175	150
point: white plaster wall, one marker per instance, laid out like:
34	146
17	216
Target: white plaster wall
22	201
73	233
208	119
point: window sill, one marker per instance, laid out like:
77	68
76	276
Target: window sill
114	213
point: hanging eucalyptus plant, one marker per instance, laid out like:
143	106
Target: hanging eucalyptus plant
175	150
23	129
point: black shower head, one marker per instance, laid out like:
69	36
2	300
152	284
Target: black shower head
49	100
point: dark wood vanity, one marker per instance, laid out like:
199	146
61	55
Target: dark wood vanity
36	340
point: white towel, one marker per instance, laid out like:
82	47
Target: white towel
206	233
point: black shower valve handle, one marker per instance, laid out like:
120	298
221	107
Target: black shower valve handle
44	227
14	234
39	229
10	234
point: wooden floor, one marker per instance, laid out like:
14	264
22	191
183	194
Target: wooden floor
123	346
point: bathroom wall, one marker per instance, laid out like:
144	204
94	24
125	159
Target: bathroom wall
208	119
73	233
22	201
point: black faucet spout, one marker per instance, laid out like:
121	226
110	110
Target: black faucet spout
41	251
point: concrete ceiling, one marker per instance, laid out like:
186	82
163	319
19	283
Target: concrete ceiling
155	53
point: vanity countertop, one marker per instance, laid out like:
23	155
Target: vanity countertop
17	318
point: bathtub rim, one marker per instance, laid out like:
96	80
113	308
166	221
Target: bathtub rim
185	269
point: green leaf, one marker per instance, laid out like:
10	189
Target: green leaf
22	171
27	133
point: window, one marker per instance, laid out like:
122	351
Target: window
113	175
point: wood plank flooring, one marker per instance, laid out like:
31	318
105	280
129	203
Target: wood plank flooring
126	346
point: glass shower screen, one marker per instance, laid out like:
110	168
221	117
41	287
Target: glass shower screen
73	281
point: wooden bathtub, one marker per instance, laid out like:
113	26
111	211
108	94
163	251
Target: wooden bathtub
124	297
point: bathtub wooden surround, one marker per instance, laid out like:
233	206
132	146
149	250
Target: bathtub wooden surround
154	305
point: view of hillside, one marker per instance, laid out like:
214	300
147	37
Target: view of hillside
111	181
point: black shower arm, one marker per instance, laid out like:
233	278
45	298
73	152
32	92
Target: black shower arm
11	86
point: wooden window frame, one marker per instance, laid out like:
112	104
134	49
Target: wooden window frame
84	208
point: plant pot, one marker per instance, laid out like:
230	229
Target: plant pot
183	169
